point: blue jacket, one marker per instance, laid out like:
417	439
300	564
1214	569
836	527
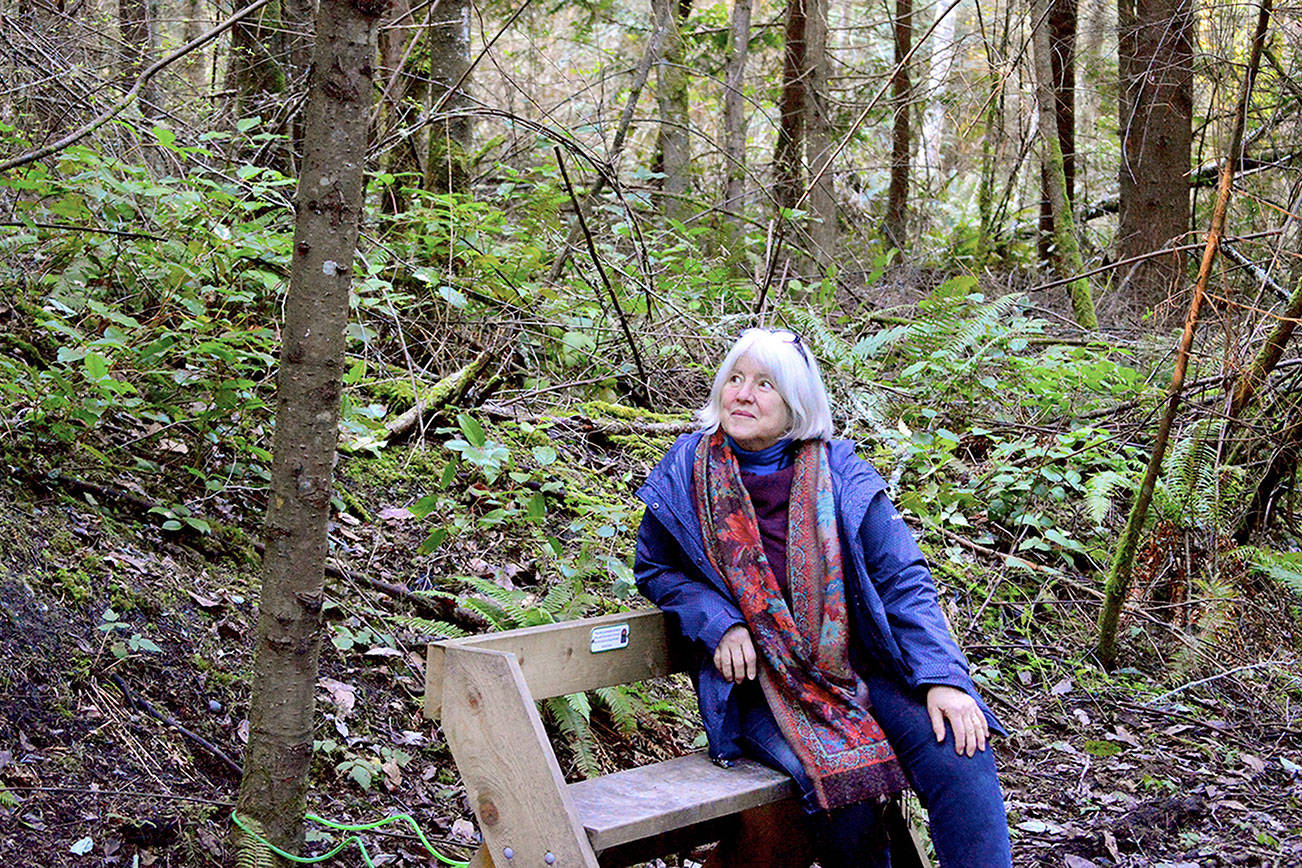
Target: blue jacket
895	616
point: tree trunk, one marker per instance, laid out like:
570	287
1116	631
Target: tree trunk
933	118
403	95
819	145
1155	52
328	207
734	111
254	69
1062	47
1064	225
137	27
448	164
675	151
897	200
787	169
1123	559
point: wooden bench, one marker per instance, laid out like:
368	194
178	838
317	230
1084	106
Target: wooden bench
484	689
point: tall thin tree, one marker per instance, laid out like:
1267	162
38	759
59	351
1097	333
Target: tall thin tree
328	206
897	199
1155	56
1122	566
734	109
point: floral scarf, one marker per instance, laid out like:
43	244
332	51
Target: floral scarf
820	703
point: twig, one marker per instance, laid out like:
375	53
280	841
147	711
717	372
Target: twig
644	396
139	702
135	794
617	144
72	227
130	96
1219	675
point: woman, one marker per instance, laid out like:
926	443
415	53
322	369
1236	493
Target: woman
777	554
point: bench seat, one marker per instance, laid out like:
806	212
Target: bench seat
650	800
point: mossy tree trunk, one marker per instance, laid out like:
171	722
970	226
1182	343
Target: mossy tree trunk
328	207
819	145
1062	53
1064	225
734	112
1121	568
897	198
447	169
675	151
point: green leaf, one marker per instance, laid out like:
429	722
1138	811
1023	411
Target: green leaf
1102	748
474	433
433	541
424	506
96	366
537	506
165	137
544	455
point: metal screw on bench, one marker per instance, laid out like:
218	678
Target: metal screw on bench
508	853
550	858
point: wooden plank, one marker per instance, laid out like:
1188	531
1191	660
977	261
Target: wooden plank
647	801
557	659
513	782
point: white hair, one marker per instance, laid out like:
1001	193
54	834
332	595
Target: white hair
795	373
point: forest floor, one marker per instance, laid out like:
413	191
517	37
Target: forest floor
124	652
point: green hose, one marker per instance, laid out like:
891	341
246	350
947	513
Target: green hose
365	827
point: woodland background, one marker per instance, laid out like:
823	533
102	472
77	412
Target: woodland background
1049	255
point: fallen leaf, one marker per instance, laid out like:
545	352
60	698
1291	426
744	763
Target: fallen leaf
1110	841
1070	861
382	651
1122	734
242	731
343	696
82	847
1252	762
1062	687
205	602
392	774
394	513
465	830
1035	827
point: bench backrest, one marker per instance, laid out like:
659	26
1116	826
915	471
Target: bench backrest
571	656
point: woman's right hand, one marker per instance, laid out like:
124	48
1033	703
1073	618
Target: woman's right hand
735	656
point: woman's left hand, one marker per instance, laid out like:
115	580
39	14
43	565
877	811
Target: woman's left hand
965	718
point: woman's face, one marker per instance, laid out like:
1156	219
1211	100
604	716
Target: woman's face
754	414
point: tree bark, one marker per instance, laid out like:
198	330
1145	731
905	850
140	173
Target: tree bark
787	168
1062	48
137	27
897	200
675	151
447	168
933	117
1155	52
1119	572
328	208
1064	225
254	70
818	134
734	111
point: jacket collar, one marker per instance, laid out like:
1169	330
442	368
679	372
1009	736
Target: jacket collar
854	482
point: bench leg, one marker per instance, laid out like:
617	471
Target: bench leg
772	836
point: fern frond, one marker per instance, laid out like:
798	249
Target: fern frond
622	706
424	626
560	596
252	849
1283	567
565	710
1099	490
509	614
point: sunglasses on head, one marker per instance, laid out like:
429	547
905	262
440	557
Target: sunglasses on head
785	336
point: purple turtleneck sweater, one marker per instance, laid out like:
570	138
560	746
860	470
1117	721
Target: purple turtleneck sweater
767	476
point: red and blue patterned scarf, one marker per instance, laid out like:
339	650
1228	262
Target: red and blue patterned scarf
820	703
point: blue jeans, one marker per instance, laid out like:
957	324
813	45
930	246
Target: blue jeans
965	808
